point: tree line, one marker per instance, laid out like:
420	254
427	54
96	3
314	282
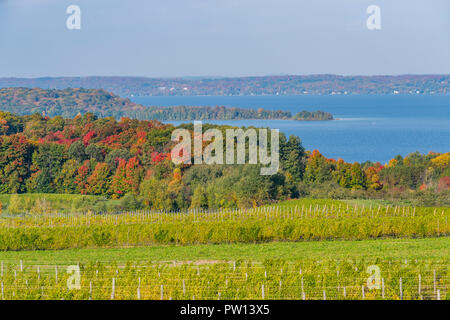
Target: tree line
130	159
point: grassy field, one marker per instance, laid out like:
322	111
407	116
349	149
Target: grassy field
408	269
390	249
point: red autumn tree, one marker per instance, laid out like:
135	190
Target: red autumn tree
88	137
134	173
443	184
81	178
127	177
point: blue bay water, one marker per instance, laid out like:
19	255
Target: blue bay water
370	127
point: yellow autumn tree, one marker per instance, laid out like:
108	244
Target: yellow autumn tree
442	161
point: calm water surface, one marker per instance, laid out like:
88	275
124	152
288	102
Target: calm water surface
370	127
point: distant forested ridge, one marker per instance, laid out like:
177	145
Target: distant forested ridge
67	103
266	85
71	102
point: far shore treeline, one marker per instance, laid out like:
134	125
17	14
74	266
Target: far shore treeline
72	102
321	84
130	160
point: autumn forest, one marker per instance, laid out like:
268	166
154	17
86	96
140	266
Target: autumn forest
131	158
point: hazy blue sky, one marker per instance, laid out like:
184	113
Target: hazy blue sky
223	37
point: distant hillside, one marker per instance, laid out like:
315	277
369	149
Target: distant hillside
67	103
71	102
268	85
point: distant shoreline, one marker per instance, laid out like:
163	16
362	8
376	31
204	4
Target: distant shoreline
320	84
251	119
288	95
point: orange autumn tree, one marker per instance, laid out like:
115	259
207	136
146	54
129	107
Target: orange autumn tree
127	177
137	147
318	168
373	179
4	127
176	190
98	183
175	184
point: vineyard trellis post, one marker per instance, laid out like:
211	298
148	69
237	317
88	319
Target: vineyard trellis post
113	288
420	284
434	282
303	291
139	289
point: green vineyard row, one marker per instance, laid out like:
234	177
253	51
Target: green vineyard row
272	279
293	221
